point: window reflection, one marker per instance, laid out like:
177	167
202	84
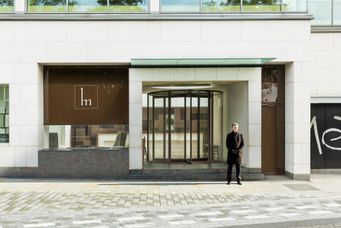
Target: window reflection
180	6
128	5
270	85
75	136
294	5
4	114
87	5
90	6
6	6
261	5
337	12
47	6
321	9
221	6
226	6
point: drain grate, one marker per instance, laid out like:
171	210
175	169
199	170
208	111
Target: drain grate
301	187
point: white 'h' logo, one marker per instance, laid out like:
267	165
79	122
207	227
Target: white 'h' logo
85	100
86	96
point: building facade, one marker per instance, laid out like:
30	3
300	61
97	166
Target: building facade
118	88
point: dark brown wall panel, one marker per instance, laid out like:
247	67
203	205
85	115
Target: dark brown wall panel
86	95
273	119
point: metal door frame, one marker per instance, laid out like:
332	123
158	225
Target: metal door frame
209	94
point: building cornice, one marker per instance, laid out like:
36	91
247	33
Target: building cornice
325	29
153	17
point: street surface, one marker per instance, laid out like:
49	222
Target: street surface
275	202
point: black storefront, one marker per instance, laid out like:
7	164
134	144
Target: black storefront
325	136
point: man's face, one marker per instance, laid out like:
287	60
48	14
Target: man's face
234	128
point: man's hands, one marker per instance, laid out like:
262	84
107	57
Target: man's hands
235	151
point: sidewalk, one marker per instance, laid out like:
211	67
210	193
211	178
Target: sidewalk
272	185
62	203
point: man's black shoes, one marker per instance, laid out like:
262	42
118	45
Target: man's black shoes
238	182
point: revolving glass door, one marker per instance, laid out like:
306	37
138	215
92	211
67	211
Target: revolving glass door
184	126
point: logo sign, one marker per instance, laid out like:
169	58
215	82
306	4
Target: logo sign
86	96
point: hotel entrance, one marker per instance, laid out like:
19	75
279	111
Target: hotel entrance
180	126
186	115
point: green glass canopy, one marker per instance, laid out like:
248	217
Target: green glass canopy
199	62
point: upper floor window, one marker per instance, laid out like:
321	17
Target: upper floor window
261	6
228	6
322	11
326	12
4	114
6	6
337	12
88	6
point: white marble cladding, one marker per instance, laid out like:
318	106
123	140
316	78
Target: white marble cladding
24	45
119	41
297	119
26	114
250	118
325	79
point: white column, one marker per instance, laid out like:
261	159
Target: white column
135	120
154	6
19	6
255	119
297	120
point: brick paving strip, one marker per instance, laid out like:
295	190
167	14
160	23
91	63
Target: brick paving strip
22	202
199	215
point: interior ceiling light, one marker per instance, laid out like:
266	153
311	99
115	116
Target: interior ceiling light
181	87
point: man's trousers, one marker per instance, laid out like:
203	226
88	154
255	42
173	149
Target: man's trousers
229	172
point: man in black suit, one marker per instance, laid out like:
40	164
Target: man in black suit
234	144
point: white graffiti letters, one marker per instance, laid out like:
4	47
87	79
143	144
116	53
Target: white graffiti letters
313	124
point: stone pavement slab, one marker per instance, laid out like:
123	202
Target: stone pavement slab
217	215
103	203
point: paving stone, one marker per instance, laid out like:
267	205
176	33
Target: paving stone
210	207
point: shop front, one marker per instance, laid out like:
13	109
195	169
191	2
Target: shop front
143	122
325	136
86	122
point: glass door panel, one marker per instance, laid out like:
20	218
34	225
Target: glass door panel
188	129
176	122
160	131
217	150
204	130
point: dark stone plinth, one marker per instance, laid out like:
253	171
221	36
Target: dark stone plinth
75	163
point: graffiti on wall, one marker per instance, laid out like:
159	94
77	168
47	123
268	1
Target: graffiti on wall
327	144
